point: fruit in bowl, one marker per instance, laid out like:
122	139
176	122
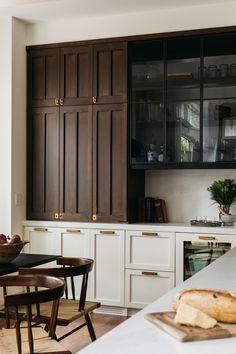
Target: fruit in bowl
10	247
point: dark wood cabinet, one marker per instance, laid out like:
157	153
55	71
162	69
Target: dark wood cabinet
43	77
110	73
43	147
77	135
110	162
76	75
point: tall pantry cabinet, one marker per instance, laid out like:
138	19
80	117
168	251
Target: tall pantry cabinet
77	134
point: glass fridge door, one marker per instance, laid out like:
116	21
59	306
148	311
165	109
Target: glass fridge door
198	255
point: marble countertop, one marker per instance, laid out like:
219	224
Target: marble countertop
168	227
138	336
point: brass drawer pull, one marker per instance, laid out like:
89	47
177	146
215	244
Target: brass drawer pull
208	238
73	230
107	232
154	274
150	234
40	229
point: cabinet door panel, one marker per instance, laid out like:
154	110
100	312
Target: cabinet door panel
150	250
76	75
142	287
43	163
43	77
110	163
110	72
107	283
76	163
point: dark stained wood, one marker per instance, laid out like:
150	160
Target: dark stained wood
43	74
110	72
110	162
76	163
26	260
43	163
76	75
70	309
46	289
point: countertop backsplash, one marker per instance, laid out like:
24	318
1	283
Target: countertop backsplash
185	192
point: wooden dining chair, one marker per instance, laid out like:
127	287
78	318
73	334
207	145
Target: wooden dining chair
25	337
71	307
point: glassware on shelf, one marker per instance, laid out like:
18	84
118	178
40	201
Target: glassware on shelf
212	71
232	70
223	70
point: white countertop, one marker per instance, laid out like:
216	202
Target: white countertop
168	227
138	336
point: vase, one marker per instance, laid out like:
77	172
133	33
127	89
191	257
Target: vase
228	220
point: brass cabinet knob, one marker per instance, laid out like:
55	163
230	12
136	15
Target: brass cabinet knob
61	101
94	99
57	101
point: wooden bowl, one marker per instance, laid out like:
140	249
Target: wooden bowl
8	252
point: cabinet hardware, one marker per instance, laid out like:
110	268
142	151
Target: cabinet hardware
94	217
107	232
206	237
57	101
94	99
61	101
150	234
73	230
41	229
61	216
56	216
154	274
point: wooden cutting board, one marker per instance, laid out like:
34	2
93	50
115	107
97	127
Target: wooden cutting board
183	333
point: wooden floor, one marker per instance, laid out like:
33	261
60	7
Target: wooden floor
80	339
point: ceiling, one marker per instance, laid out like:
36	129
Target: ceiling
53	10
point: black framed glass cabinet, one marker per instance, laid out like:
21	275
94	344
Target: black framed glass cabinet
183	102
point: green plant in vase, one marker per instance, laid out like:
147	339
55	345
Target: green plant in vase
224	194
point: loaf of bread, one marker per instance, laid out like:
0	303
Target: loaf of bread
191	316
218	304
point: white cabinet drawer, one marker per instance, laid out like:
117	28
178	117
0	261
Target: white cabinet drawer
43	240
150	250
76	243
143	287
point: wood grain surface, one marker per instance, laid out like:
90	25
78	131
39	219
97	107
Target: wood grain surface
183	333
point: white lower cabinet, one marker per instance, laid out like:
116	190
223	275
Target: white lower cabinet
107	285
143	287
76	242
43	240
150	266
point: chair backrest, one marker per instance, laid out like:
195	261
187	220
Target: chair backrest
46	288
70	268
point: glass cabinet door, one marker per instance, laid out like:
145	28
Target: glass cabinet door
183	100
146	101
219	98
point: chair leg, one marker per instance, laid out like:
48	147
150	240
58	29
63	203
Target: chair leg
90	327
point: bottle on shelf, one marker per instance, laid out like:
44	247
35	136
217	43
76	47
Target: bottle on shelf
161	154
152	154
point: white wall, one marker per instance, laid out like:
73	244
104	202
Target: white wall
178	19
18	193
185	191
12	123
5	124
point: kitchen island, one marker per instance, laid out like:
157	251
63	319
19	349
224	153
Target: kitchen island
138	336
